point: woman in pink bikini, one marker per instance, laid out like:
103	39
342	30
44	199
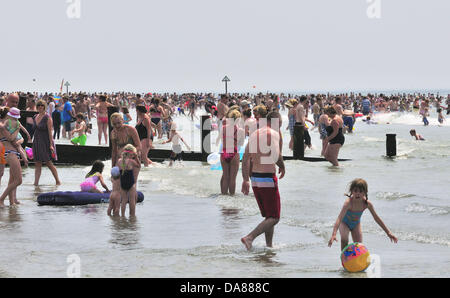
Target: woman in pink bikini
102	118
229	156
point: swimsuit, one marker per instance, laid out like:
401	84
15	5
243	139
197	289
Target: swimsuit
89	184
103	119
2	155
352	219
323	131
81	140
127	179
265	188
14	152
291	124
338	139
226	155
142	131
176	152
348	121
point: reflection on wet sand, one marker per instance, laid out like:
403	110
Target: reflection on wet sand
124	231
10	215
266	258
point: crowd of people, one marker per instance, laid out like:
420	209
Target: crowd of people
236	116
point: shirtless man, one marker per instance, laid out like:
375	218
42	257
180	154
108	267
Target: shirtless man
338	106
262	169
102	118
222	110
300	117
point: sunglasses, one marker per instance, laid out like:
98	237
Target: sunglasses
39	106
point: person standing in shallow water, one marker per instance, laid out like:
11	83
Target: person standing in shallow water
43	143
263	177
335	138
229	157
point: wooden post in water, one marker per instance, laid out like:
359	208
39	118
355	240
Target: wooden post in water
299	142
391	145
205	136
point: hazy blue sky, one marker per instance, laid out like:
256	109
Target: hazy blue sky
190	45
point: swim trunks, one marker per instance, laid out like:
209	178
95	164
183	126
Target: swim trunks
265	188
81	140
103	119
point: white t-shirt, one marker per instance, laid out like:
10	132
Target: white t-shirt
50	108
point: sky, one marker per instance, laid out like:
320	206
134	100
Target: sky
190	45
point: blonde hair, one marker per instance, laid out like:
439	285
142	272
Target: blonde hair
116	116
235	114
128	149
42	102
261	110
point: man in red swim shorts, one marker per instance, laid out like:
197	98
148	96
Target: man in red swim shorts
263	177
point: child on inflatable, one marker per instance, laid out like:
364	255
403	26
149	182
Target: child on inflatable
114	197
350	216
129	165
94	176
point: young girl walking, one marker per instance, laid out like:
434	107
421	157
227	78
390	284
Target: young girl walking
348	220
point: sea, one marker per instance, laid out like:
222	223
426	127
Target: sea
186	229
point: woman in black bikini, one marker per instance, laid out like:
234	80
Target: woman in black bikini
144	130
335	137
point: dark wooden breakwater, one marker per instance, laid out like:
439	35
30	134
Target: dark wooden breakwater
86	155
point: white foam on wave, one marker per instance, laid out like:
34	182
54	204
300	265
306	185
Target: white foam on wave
405	118
421	208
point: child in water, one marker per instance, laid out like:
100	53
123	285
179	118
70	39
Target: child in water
440	116
129	165
94	176
418	137
350	216
114	197
175	138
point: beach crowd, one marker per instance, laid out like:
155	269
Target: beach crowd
254	118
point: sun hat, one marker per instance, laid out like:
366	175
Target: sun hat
14	112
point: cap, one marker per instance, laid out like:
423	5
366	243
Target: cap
115	172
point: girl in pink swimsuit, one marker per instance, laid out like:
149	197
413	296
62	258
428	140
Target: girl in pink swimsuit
94	176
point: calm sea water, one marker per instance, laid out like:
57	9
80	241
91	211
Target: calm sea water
185	228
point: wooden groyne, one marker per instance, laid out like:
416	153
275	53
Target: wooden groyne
86	155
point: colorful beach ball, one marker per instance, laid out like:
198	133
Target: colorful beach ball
355	257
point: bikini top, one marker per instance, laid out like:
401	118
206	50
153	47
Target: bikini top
10	128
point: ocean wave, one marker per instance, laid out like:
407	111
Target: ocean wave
432	210
392	196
